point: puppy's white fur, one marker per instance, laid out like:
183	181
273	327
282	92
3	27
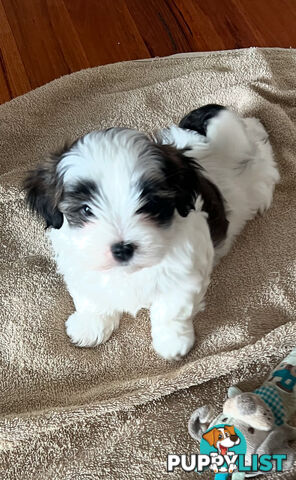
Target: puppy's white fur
171	268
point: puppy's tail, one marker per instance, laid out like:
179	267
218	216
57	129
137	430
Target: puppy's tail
225	131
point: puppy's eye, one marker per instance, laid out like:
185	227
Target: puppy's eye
86	210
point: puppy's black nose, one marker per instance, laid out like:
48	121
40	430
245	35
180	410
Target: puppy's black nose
122	252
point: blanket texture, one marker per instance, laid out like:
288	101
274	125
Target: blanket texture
117	410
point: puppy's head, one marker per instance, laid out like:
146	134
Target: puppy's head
116	194
222	438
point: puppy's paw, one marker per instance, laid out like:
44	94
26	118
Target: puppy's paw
87	330
232	467
172	345
214	468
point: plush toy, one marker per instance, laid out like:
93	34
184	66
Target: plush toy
260	416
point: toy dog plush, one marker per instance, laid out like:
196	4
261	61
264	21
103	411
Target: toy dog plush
261	416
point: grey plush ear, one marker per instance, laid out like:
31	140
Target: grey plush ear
233	391
200	421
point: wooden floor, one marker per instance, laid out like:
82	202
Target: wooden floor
43	39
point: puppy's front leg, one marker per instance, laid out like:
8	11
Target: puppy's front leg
171	325
87	328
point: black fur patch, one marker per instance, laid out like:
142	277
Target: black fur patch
213	204
197	120
156	204
174	189
75	199
177	189
43	190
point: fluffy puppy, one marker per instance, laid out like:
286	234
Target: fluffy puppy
139	222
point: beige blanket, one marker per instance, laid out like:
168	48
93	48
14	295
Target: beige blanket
116	411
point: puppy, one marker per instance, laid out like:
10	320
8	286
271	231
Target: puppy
139	222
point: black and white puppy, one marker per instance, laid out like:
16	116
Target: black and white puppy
139	221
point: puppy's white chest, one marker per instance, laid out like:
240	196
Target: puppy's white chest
103	292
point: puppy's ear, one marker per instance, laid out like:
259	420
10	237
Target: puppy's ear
44	188
230	429
210	436
181	177
200	420
186	178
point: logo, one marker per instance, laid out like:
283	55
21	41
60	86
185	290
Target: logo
223	450
223	444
